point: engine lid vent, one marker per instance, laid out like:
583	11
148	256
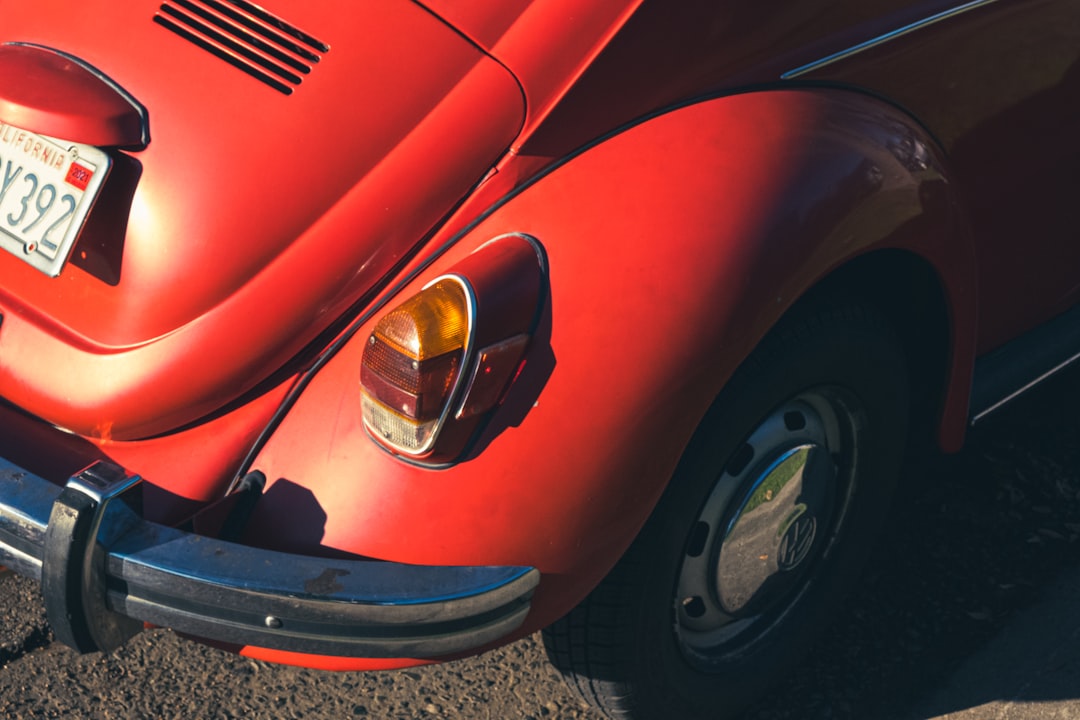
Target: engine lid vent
247	37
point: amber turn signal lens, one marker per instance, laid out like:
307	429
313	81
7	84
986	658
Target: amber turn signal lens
432	323
412	365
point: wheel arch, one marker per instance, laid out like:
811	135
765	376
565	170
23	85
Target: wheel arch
907	290
673	247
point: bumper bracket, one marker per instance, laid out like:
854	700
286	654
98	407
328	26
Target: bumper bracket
73	567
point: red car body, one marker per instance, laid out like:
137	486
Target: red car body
691	171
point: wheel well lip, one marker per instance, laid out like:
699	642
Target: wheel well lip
955	301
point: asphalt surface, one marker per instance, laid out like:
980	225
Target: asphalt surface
1030	671
970	609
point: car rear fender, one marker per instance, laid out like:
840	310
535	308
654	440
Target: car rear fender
672	247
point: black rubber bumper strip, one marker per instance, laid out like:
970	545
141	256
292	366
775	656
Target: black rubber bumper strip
101	566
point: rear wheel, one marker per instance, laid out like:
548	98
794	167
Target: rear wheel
760	532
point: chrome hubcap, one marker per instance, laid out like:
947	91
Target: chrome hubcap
771	515
774	529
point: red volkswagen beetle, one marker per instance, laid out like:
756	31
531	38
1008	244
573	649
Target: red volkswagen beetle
360	335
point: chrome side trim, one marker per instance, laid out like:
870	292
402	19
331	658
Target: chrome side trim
1028	386
882	39
1024	363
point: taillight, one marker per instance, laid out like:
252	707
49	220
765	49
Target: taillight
436	364
412	365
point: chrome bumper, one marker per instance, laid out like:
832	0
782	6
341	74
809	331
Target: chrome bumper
104	571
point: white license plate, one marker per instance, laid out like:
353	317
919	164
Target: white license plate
47	187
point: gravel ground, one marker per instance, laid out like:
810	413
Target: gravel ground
973	539
158	675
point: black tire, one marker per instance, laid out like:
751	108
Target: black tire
709	605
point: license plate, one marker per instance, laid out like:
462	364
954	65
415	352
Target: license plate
47	187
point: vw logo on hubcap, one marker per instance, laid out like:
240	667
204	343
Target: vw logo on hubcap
797	541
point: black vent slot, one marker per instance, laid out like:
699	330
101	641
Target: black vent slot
247	37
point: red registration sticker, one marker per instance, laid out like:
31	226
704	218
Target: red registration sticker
47	187
79	176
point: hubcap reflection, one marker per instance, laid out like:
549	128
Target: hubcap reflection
773	531
771	515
